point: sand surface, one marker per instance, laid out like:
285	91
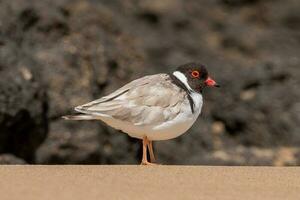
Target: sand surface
142	182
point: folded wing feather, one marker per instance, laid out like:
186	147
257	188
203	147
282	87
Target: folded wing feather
148	100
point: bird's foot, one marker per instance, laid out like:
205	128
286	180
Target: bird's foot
149	163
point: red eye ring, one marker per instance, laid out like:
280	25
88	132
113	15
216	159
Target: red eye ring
195	74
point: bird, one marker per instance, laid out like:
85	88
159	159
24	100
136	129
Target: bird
154	107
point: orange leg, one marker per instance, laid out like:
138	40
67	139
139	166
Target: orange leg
150	147
144	159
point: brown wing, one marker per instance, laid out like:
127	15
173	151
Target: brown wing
148	100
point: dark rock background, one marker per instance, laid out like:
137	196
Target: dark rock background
56	54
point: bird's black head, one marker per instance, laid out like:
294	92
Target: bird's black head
194	76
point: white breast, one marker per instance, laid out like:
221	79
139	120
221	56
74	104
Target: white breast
180	124
184	120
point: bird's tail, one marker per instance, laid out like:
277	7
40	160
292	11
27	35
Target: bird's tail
79	117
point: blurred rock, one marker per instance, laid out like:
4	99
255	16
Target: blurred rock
70	143
62	53
23	109
9	159
85	143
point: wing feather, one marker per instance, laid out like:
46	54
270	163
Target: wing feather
149	100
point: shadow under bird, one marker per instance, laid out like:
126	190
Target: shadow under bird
156	107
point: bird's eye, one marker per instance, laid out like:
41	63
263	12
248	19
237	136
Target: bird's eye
195	74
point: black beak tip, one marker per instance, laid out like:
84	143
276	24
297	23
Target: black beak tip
217	85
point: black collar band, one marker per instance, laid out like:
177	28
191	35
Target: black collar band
180	84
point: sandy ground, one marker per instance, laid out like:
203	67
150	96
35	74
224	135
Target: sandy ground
142	182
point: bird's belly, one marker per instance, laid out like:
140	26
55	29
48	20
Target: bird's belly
176	126
167	130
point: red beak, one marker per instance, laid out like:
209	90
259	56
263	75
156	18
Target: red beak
211	83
